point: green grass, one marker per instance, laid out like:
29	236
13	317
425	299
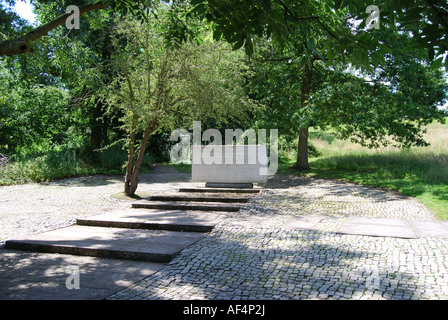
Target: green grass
420	172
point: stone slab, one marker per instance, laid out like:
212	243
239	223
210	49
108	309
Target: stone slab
157	219
302	222
115	243
378	227
42	276
430	229
229	164
185	205
229	185
210	197
220	190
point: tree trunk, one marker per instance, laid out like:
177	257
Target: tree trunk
302	147
128	176
135	161
302	150
96	126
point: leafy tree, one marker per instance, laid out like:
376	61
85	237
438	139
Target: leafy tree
311	32
306	32
80	59
390	104
158	87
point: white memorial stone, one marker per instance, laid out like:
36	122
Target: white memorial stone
230	164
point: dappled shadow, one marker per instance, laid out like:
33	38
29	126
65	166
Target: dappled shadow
87	181
236	262
413	173
329	187
245	263
160	219
158	174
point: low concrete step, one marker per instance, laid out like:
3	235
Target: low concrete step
185	205
158	219
114	243
219	190
240	198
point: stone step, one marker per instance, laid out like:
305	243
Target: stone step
158	219
114	243
241	198
185	205
219	190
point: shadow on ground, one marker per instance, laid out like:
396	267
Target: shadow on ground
250	264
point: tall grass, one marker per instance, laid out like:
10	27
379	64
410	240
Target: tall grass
62	162
421	172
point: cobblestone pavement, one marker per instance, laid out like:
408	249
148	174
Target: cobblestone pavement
263	261
267	261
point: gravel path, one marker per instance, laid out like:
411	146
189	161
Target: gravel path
264	261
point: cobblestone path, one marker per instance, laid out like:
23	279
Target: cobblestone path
268	261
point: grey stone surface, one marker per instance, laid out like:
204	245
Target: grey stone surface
203	190
186	205
37	276
270	263
302	222
229	164
430	229
253	255
174	220
229	185
202	197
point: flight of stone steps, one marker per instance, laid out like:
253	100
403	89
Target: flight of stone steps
154	229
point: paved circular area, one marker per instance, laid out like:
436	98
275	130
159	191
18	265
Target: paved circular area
38	207
267	261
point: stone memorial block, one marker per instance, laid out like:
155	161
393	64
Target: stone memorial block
227	164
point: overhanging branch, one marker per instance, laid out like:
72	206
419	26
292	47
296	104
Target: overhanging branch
22	44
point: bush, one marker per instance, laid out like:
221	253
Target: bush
54	164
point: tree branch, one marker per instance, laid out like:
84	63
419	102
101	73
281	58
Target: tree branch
287	10
22	44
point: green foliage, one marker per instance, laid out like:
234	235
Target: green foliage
389	106
198	80
31	114
420	172
10	22
427	20
50	102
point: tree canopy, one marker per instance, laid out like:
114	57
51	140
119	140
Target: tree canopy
136	69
